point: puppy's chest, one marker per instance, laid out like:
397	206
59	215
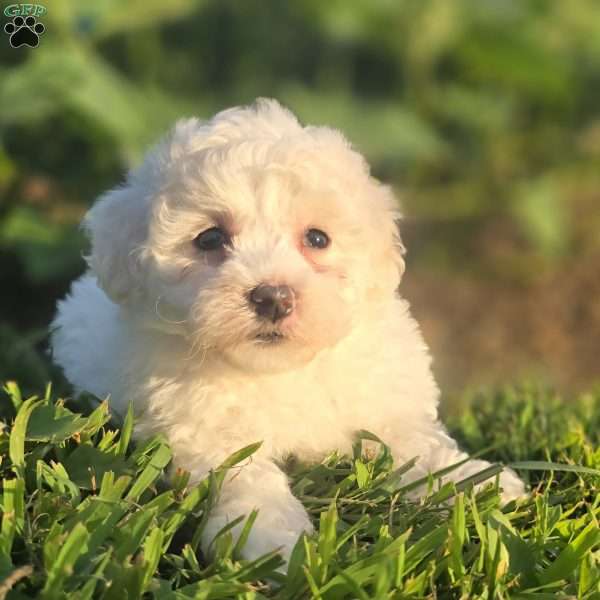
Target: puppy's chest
291	414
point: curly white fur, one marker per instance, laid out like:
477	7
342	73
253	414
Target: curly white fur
161	323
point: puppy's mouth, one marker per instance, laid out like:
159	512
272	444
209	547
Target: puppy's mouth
270	337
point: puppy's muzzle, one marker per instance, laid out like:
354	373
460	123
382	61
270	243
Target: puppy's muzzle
272	302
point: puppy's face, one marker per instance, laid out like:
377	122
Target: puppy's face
264	247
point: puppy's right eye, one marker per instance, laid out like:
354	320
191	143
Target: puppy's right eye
214	238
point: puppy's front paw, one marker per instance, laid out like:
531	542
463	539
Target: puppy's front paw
266	539
277	527
512	486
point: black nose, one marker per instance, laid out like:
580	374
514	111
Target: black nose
272	302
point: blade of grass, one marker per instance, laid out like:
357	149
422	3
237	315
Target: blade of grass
541	465
16	450
62	566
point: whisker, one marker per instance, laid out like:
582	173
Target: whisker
163	318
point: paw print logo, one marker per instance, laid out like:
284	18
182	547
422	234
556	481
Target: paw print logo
24	32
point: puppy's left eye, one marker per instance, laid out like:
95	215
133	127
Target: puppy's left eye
315	238
211	239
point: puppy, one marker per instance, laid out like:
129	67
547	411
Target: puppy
242	286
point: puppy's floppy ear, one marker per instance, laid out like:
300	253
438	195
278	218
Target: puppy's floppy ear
118	224
118	227
392	261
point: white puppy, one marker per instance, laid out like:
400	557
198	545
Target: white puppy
243	287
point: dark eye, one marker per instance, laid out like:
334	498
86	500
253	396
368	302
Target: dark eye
315	238
211	239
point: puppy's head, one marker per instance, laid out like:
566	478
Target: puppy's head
254	237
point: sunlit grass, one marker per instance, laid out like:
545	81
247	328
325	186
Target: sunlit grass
88	514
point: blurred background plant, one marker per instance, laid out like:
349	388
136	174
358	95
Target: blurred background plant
484	114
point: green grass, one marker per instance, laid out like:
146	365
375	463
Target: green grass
88	514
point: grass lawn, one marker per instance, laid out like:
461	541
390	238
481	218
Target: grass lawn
86	513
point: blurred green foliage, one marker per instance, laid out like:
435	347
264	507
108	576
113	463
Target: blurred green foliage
484	113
